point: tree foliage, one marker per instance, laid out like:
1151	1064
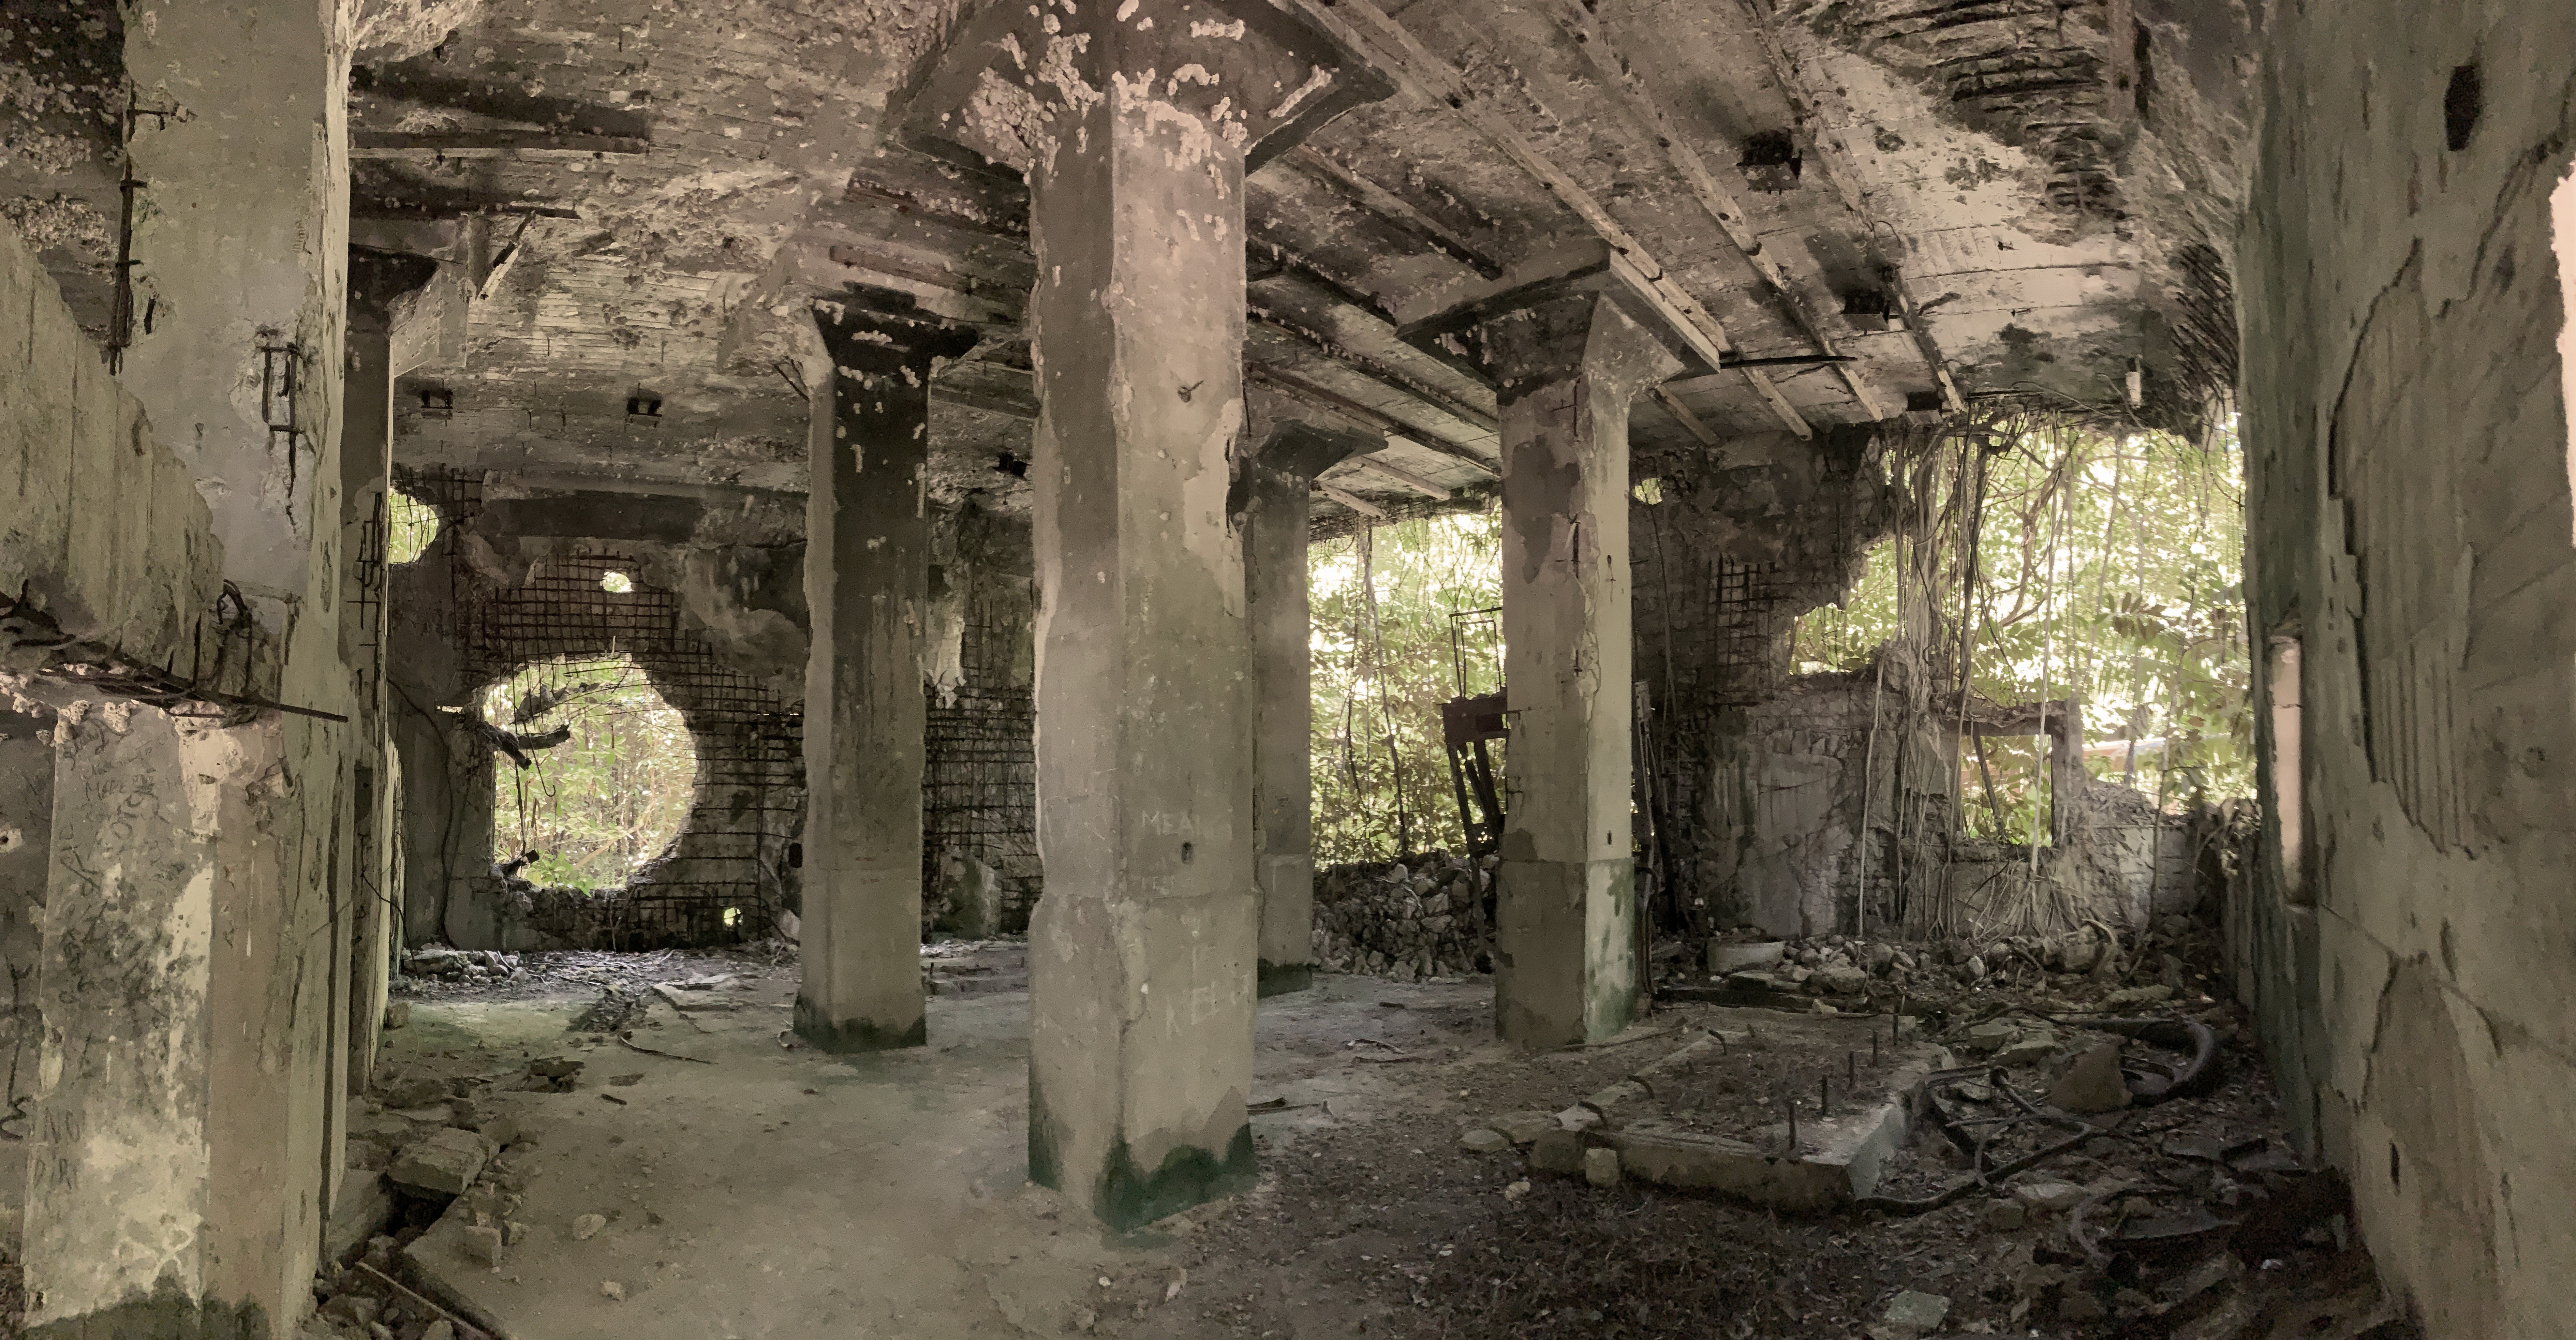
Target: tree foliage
410	525
2108	568
608	799
1387	653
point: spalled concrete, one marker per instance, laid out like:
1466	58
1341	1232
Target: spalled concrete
1273	487
867	555
2406	435
120	1178
1565	968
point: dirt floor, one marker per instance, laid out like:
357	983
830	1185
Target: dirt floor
758	1188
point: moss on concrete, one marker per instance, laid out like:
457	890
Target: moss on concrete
1127	1197
167	1313
857	1035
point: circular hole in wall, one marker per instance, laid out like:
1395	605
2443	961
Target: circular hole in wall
410	525
616	583
612	772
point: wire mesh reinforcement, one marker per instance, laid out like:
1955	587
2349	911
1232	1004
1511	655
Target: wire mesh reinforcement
725	876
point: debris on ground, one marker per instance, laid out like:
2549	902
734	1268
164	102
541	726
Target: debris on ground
616	1010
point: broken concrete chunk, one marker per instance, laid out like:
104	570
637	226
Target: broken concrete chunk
1484	1140
442	1165
2053	1196
1557	1151
414	1091
1522	1127
356	1309
2003	1216
441	1329
691	998
1601	1167
483	1244
2136	996
1725	958
612	1291
1913	1312
551	1074
2033	1045
1578	1118
398	1014
1608	1099
1992	1035
1841	979
2092	1083
586	1226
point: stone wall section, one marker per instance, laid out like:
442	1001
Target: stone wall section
1424	916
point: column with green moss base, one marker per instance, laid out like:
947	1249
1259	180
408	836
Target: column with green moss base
1564	956
1135	123
867	552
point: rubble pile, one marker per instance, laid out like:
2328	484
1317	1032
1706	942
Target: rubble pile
2094	966
460	965
1426	916
440	972
2100	1152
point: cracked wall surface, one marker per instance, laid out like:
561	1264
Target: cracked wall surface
2407	437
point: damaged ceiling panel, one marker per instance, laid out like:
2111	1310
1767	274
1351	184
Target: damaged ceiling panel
1869	207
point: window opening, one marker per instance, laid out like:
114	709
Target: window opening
588	812
412	525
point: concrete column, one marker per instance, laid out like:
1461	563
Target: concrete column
1142	951
1275	484
378	282
241	243
26	856
867	553
1565	968
123	1198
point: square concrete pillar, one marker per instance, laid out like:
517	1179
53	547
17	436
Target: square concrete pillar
867	556
1569	352
123	1176
378	282
240	244
1274	486
1143	949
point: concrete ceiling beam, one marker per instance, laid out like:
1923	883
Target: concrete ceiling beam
1830	153
1649	121
1366	416
1390	208
1403	52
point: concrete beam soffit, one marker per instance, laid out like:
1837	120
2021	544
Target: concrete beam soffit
1260	76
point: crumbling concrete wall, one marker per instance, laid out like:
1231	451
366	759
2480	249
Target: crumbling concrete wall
107	552
979	776
1757	778
716	619
2407	436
